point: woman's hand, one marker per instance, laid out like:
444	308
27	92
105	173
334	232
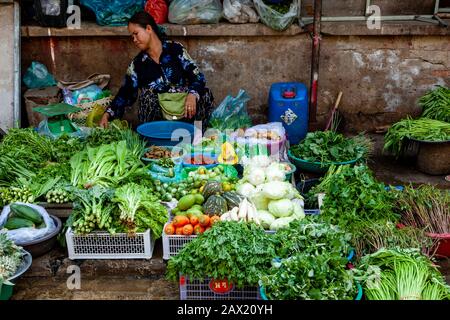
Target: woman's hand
104	120
190	106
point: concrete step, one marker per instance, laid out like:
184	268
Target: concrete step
55	264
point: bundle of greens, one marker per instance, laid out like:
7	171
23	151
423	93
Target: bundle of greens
108	165
10	259
353	197
436	104
313	264
422	129
426	208
234	122
93	210
236	251
401	274
386	234
139	210
329	147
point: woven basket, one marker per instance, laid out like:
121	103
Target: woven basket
80	117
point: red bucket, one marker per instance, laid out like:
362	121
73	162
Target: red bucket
443	245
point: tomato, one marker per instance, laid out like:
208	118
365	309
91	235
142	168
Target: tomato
180	221
204	220
214	219
169	229
188	229
179	231
194	220
198	229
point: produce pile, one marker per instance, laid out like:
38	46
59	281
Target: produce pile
10	259
436	104
331	147
422	129
23	216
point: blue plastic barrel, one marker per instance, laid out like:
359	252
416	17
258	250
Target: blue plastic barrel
288	104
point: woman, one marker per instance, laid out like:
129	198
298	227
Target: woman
162	66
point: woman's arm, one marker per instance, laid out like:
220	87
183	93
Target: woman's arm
196	79
126	96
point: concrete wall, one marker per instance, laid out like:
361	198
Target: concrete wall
6	65
381	77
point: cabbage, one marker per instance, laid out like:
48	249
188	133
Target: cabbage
256	176
276	189
275	172
265	218
246	189
281	223
281	208
292	193
260	202
298	213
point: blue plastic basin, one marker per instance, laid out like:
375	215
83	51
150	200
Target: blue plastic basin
166	133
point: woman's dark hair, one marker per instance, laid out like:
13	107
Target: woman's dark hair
144	19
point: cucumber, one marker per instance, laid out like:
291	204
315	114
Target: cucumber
17	223
26	212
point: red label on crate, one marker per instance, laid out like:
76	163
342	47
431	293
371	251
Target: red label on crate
220	286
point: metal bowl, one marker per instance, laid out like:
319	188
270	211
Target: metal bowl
45	244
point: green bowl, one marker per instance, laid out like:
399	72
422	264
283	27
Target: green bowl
178	150
315	167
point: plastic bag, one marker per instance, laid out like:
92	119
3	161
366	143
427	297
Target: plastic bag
51	7
114	12
24	235
158	10
274	19
195	11
87	94
270	135
44	129
37	76
231	113
240	11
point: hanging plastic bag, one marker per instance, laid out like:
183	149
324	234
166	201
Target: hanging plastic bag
240	11
231	113
277	16
37	76
158	10
113	12
195	11
24	235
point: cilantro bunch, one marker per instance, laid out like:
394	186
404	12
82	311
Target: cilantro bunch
237	251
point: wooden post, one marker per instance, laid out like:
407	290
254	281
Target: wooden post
315	65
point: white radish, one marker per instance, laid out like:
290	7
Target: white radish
234	214
243	208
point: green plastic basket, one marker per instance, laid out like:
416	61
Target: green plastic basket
315	167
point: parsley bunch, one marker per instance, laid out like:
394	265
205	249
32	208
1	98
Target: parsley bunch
236	251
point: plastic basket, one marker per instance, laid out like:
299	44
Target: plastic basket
172	244
316	167
208	289
102	245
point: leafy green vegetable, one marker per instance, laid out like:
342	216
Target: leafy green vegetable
139	210
329	146
436	104
423	129
425	207
236	251
401	274
312	265
108	165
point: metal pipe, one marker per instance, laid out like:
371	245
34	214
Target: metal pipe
436	6
315	59
16	59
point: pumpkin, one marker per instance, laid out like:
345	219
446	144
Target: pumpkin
233	199
212	188
215	205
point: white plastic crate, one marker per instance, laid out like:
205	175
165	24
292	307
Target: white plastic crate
102	245
223	290
172	244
